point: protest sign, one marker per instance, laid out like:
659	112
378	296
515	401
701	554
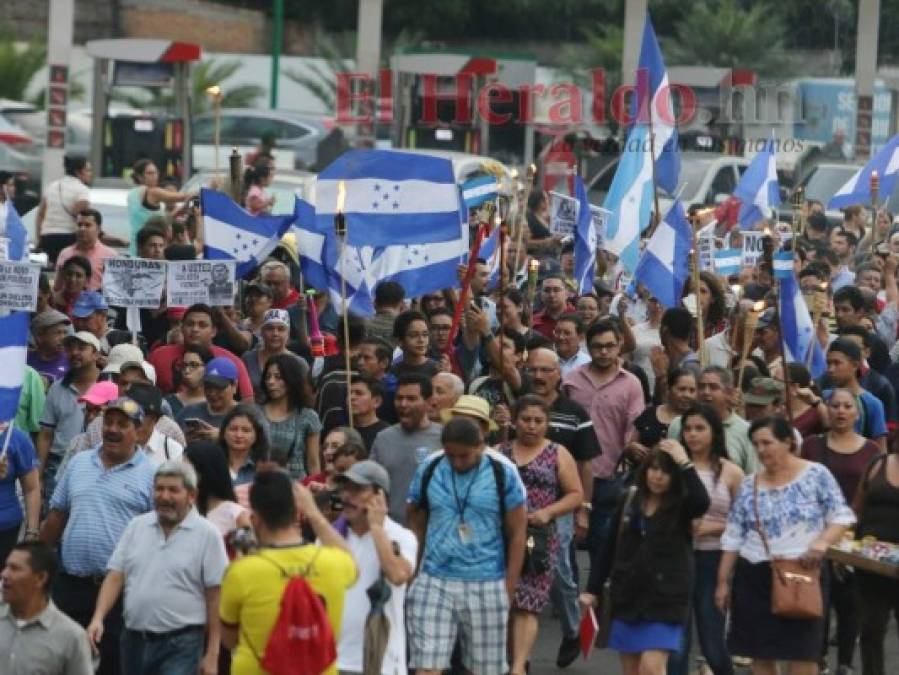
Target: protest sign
600	218
18	286
752	248
563	214
207	281
133	282
706	245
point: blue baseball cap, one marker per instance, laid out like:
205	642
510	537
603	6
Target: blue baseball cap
220	372
88	303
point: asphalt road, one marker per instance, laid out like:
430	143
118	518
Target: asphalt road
605	662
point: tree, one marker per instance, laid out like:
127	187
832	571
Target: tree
203	75
18	65
725	34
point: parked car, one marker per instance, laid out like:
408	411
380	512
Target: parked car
286	186
243	128
110	202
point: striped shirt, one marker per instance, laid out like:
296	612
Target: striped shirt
100	502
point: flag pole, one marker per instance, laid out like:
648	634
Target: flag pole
875	189
652	161
768	253
340	230
523	208
700	328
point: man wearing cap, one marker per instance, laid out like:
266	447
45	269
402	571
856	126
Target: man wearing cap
403	446
380	547
48	358
90	313
275	333
96	498
63	417
767	338
764	398
198	329
87	244
159	446
169	563
202	421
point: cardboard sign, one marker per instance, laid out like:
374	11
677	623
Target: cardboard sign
18	286
133	282
752	248
600	218
563	214
208	281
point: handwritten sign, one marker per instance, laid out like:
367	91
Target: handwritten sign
18	286
207	281
133	282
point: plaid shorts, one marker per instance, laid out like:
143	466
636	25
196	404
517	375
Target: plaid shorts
437	610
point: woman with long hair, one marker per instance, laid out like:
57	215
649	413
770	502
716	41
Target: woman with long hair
513	313
76	273
293	423
255	179
553	487
713	303
649	558
147	197
188	378
243	438
702	434
846	454
652	424
799	508
215	491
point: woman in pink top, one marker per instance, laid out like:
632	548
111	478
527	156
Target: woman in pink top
702	434
215	494
255	180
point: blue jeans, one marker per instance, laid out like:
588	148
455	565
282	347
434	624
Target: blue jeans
176	655
709	621
606	493
564	589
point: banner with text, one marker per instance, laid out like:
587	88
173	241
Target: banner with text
133	282
208	281
18	286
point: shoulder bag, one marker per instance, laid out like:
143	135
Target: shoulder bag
605	602
795	589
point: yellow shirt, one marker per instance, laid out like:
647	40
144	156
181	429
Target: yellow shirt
252	590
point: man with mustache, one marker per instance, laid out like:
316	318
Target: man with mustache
96	498
170	563
569	425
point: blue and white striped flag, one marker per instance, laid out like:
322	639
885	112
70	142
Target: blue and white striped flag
490	253
665	263
230	233
310	243
728	261
630	199
857	189
479	190
391	198
12	228
652	102
13	356
799	333
585	241
758	189
783	264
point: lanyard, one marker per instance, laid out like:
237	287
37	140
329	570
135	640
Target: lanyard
462	503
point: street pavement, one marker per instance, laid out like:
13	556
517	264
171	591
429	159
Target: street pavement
605	662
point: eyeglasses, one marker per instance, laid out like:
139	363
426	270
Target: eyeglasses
603	346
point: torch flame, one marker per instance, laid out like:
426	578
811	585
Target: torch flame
823	287
759	306
513	174
214	90
534	265
341	196
532	169
497	221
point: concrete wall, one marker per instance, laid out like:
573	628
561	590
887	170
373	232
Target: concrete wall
93	19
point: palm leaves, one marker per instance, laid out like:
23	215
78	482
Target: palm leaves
18	66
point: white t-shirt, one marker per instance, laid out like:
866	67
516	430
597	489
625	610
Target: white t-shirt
61	196
356	604
161	448
646	338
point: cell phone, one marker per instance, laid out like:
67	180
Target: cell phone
194	423
882	249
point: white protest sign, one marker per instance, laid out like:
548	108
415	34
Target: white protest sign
706	246
207	281
133	282
600	218
752	248
18	286
563	214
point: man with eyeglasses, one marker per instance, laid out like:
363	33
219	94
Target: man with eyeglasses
613	397
569	425
554	297
410	330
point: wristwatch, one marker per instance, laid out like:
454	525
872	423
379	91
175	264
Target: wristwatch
587	506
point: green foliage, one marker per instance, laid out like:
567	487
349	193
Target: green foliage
723	33
18	65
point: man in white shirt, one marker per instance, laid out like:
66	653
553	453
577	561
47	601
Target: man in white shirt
159	447
385	553
568	337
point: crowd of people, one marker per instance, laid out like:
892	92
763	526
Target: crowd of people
212	495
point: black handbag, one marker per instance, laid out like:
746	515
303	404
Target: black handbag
536	551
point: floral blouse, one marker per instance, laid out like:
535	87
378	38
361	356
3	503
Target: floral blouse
792	515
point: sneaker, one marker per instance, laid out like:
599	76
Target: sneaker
568	651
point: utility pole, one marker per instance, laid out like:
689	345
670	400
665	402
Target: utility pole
634	16
865	73
277	42
368	59
59	55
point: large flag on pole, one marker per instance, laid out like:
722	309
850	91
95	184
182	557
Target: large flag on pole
13	356
310	243
230	233
857	189
652	103
758	189
665	264
630	199
799	333
12	228
585	241
390	198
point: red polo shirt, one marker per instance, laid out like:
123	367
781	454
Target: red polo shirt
166	358
545	324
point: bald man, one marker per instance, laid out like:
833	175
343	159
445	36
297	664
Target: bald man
448	387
